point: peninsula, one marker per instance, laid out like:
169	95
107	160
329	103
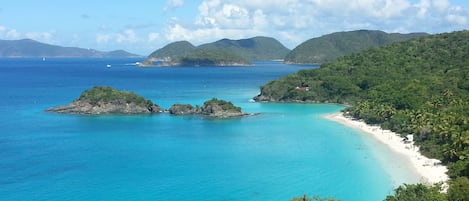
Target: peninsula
106	100
417	88
31	48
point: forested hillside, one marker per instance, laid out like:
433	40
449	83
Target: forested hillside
418	87
175	49
201	57
235	51
329	47
252	49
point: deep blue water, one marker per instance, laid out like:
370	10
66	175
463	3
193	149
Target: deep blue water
288	150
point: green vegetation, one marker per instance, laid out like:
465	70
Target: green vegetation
221	52
104	94
225	105
418	87
201	57
176	49
252	49
417	192
459	189
329	47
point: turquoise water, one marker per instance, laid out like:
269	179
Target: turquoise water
288	150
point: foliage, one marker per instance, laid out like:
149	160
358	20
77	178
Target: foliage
251	49
225	105
210	58
459	189
418	87
417	192
104	94
175	49
329	47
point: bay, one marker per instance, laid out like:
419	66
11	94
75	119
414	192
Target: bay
288	150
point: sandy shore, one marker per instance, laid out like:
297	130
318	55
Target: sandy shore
429	169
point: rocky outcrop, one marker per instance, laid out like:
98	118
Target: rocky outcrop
85	107
106	100
264	98
213	108
183	109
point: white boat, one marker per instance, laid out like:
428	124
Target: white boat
108	66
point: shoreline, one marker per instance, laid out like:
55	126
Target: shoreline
430	170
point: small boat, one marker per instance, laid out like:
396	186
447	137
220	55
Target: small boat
108	66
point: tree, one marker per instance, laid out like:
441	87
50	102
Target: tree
417	192
459	189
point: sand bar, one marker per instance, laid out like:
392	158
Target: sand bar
430	170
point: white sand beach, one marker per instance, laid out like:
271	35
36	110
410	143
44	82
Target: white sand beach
430	170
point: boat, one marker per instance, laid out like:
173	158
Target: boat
108	66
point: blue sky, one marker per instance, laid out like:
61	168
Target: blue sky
142	26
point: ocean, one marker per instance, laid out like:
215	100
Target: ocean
287	150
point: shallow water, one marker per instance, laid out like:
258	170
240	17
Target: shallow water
288	150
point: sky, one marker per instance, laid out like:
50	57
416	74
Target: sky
143	26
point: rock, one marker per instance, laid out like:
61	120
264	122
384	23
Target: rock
106	100
213	108
183	109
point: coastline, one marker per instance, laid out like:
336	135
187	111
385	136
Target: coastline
430	170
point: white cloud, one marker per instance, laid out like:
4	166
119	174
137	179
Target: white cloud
153	37
9	34
127	36
46	37
441	5
103	38
457	19
13	34
298	20
173	4
422	8
177	32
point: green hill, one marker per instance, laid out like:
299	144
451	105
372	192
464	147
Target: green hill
418	87
31	48
244	50
329	47
175	49
252	49
202	57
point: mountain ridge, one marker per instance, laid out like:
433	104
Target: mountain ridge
250	49
31	48
329	47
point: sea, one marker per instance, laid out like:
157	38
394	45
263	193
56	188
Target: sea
287	150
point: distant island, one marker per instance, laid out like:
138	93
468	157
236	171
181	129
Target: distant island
32	48
224	52
329	47
104	100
